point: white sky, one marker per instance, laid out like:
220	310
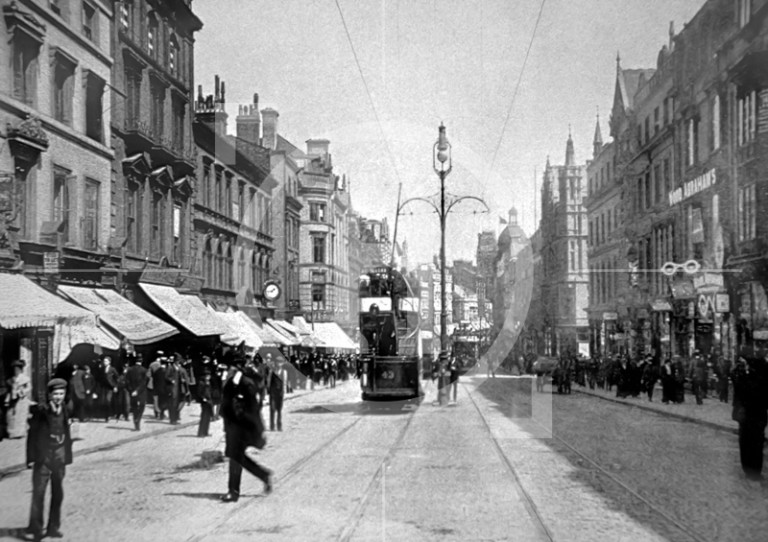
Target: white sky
427	61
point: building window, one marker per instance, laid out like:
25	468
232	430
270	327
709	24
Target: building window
25	53
173	56
647	128
318	249
228	197
747	213
61	200
91	218
658	187
218	190
656	121
126	12
715	123
692	141
156	234
240	268
132	96
132	210
152	35
317	212
90	21
746	117
94	120
57	6
208	264
255	286
228	268
178	220
218	267
63	88
206	184
667	176
240	210
745	11
157	111
179	114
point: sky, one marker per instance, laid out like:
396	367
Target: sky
377	77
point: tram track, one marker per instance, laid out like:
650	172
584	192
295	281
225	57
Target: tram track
373	484
531	505
286	475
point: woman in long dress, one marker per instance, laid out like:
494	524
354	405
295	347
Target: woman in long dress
17	401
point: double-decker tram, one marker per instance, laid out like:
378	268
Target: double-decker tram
390	349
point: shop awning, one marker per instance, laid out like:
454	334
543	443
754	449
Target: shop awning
333	336
268	338
282	336
126	318
683	289
186	310
243	332
66	337
303	336
25	304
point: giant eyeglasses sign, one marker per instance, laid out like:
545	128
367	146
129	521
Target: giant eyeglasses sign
691	267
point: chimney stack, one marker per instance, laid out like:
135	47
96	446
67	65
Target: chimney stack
269	137
249	122
210	110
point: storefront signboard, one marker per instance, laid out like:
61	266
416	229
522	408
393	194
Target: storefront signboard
700	183
610	316
722	303
708	282
50	262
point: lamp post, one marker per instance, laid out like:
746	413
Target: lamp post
442	163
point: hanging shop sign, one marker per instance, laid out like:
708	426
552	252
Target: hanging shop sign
706	304
708	282
610	316
50	262
700	183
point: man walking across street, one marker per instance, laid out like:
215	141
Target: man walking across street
77	393
243	427
108	385
136	384
750	410
698	376
206	404
49	450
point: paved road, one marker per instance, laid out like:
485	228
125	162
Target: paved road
479	470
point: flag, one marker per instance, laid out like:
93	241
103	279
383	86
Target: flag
502	221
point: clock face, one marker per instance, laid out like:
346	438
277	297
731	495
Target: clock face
272	291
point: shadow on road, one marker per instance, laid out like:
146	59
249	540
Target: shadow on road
364	408
208	496
19	533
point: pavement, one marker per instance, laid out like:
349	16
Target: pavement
97	435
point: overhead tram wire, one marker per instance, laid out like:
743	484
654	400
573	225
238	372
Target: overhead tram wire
368	92
517	88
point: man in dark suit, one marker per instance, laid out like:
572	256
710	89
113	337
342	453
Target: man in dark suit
243	426
49	450
77	393
136	385
108	385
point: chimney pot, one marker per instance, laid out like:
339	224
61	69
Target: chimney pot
216	87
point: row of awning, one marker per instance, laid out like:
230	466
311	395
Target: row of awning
83	315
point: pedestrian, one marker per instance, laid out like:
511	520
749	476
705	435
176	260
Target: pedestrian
49	450
17	401
243	427
177	389
750	410
698	375
679	372
123	399
205	399
89	383
454	379
650	376
667	382
107	383
136	381
77	392
160	387
276	386
723	371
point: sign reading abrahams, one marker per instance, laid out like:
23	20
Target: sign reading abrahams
700	183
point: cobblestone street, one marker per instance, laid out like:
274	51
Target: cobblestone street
487	468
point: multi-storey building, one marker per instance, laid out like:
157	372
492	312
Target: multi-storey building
232	211
154	164
55	158
324	281
285	162
564	254
485	254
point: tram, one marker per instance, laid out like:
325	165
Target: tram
465	349
390	349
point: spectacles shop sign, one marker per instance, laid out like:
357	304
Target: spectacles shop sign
700	183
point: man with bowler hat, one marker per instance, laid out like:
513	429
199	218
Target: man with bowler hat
243	426
49	450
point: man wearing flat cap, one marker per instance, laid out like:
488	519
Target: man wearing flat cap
49	450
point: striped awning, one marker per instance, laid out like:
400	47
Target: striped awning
186	310
25	304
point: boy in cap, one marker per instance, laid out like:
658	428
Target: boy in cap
49	450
